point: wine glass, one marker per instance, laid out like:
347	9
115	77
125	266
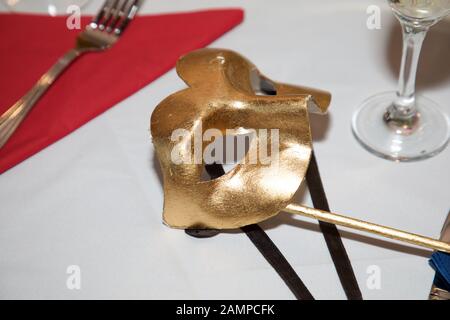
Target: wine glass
399	125
52	7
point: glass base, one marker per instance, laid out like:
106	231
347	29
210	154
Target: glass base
429	136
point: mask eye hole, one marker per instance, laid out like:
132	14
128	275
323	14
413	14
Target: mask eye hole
267	87
228	152
261	85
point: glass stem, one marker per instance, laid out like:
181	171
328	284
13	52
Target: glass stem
403	113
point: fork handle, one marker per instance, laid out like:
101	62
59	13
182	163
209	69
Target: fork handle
11	118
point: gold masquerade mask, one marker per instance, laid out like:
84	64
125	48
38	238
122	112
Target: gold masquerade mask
222	99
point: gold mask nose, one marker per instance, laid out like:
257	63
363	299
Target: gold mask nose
222	95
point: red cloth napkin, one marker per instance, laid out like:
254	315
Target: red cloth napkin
96	81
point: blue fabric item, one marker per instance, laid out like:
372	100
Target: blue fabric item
440	262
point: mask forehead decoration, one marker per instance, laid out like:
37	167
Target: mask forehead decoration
222	95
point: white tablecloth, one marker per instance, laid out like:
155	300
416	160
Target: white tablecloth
94	199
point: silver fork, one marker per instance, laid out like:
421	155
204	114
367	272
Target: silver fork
103	31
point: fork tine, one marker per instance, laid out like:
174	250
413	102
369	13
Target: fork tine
118	14
130	11
108	14
95	21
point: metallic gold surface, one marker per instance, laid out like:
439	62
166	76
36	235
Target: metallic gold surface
438	294
222	93
368	227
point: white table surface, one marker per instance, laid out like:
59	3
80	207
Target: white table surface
94	199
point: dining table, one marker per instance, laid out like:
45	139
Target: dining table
94	199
